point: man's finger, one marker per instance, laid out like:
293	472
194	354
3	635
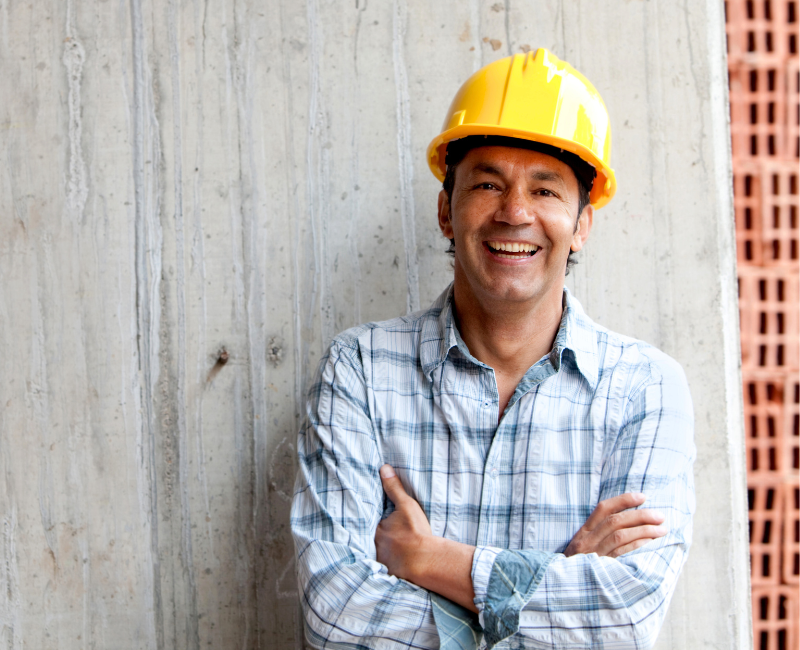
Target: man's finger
629	547
613	506
626	536
392	486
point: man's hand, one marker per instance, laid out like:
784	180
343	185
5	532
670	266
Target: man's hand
400	538
613	529
405	544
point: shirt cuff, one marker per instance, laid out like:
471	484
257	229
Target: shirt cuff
504	582
458	627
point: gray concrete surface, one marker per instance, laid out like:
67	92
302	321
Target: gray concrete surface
195	196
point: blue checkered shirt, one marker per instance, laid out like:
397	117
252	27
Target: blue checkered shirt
601	415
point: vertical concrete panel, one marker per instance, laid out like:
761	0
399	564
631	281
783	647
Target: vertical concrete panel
195	196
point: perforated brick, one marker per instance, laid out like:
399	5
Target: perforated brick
779	213
769	303
758	111
791	426
791	532
775	615
761	31
793	107
747	199
764	422
765	512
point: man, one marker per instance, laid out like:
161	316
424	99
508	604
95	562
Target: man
470	474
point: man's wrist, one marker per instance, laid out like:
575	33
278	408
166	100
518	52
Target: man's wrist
444	566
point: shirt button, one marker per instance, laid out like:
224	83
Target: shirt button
494	472
486	404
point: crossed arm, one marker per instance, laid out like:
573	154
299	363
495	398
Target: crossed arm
406	545
595	593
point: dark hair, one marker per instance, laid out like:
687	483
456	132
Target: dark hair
455	154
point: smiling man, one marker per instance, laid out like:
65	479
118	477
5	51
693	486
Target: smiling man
472	474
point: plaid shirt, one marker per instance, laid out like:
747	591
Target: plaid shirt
599	416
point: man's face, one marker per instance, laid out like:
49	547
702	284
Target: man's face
513	218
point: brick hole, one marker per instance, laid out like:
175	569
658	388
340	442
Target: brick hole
765	538
771	80
726	11
768	40
779	355
780	290
781	639
776	216
773	462
796	563
771	112
754	460
795	458
780	322
753	145
753	80
751	390
751	498
763	637
792	184
748	185
750	10
793	249
765	566
791	12
768	9
776	249
753	114
792	43
796	428
797	499
793	216
763	324
753	426
771	145
762	289
751	42
796	534
782	608
797	393
762	355
763	609
770	499
771	429
776	185
748	219
748	252
750	536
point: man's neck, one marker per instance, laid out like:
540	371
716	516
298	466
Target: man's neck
509	337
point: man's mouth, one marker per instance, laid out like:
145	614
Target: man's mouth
511	250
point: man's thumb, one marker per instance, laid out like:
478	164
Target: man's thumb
392	485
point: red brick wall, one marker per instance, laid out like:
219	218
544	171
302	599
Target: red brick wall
765	136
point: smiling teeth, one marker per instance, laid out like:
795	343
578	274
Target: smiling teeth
512	247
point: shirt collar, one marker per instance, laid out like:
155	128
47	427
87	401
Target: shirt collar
576	333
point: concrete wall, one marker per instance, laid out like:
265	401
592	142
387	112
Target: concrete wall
196	195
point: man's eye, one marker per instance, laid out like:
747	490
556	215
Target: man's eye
485	186
544	192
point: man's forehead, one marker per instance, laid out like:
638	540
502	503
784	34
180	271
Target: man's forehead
499	160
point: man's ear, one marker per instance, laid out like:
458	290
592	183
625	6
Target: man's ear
583	228
444	215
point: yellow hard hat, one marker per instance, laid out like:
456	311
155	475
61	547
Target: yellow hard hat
533	96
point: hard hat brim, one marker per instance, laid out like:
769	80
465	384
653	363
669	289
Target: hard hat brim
603	189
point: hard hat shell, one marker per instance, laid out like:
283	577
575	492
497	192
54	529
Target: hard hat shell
533	96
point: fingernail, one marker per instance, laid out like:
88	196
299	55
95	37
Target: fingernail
659	515
387	471
639	495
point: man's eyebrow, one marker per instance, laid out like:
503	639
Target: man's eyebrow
547	176
542	175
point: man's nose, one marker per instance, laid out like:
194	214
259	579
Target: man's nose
517	208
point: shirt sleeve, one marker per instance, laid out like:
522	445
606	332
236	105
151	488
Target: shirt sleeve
549	600
348	598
